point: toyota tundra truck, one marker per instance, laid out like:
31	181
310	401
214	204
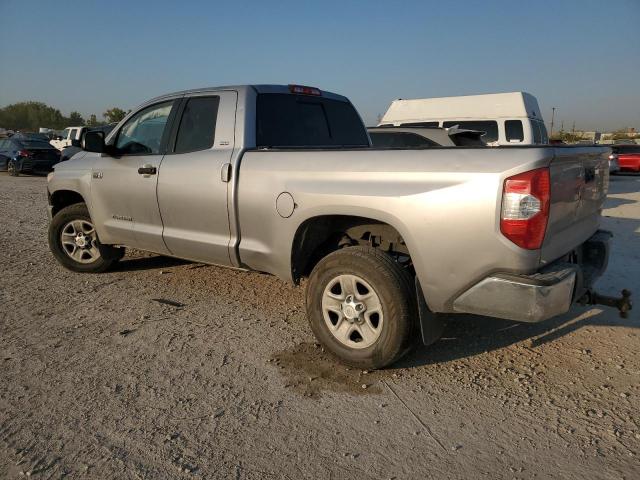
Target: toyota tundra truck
283	180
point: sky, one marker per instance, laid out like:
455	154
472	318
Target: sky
582	56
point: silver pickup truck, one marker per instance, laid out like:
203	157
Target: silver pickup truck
282	179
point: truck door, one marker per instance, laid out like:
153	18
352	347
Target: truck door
123	186
193	178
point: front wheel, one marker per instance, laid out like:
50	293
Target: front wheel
361	307
74	242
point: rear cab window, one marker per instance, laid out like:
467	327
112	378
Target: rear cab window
289	120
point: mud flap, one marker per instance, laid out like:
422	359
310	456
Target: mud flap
431	324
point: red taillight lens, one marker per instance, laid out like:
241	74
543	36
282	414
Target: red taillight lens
24	153
525	208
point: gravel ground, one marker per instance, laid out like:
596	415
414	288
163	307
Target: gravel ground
169	369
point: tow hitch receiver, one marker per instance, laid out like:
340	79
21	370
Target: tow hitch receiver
623	303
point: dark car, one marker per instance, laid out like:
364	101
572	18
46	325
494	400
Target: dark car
24	154
71	150
424	137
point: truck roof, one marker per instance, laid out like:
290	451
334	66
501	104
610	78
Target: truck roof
258	88
493	105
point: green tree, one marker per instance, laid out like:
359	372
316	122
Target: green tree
76	119
93	121
114	114
31	116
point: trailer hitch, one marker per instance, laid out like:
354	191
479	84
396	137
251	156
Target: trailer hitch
622	303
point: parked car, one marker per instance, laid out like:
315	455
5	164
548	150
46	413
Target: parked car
507	118
628	157
282	179
71	150
424	137
25	154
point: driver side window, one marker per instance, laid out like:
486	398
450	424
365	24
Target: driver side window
142	134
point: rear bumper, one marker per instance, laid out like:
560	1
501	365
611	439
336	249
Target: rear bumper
544	294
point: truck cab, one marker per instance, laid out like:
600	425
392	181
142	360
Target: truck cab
283	180
68	135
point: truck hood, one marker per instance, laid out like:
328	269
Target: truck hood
81	161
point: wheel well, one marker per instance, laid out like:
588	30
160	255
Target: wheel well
64	198
319	236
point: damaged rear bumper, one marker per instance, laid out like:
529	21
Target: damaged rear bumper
544	294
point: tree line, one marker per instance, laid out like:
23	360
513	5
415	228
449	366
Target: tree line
30	116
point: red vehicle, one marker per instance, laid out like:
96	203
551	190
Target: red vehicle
628	157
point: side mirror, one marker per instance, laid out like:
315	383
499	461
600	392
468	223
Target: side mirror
93	142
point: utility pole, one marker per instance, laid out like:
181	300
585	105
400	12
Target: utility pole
553	116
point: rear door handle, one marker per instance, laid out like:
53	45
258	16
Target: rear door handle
225	172
147	170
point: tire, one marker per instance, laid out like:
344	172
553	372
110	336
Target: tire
12	168
385	330
86	255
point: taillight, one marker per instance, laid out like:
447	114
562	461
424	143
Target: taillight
525	208
304	90
24	153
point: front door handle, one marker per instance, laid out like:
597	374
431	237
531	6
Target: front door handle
147	170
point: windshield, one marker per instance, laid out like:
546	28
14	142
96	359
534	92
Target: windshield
285	120
622	149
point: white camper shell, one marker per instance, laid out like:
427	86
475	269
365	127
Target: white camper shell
507	118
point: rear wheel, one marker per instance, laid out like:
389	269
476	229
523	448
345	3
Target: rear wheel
361	307
12	168
74	242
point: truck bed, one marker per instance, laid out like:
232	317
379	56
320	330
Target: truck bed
445	202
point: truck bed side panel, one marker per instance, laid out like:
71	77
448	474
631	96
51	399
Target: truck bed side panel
444	202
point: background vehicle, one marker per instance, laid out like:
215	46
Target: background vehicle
614	166
507	118
283	180
422	137
628	157
68	135
27	155
71	150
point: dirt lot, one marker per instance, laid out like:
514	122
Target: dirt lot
168	369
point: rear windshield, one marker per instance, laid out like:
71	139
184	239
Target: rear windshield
285	120
26	143
490	127
626	149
